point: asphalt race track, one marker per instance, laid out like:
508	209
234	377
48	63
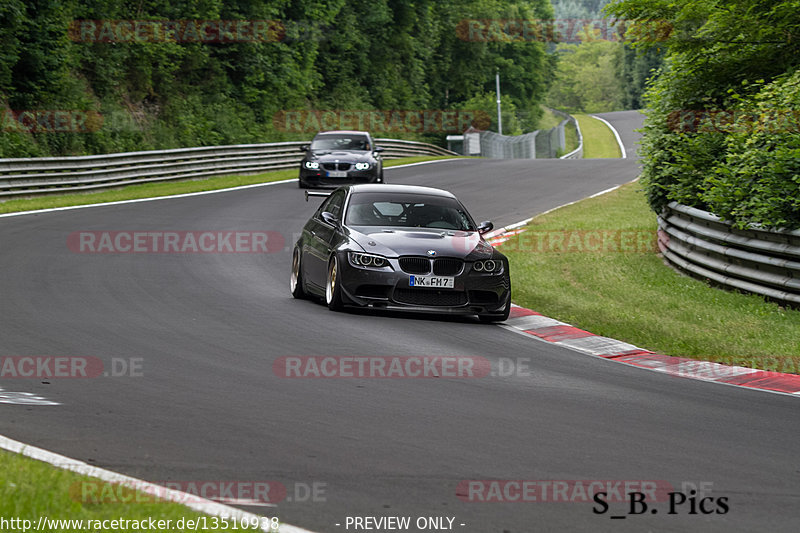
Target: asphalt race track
206	329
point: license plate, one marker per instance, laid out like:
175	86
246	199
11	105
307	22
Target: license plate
337	174
437	282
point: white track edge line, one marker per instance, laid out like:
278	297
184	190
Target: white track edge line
175	496
60	461
152	199
190	194
616	135
498	232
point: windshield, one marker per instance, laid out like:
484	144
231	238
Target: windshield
340	142
408	211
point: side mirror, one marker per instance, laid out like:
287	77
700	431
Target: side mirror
330	218
304	148
379	149
485	227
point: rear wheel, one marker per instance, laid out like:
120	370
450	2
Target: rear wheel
333	289
296	282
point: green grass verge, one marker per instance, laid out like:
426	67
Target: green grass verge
32	489
570	138
548	119
598	139
633	296
165	188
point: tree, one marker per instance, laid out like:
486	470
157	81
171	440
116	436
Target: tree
587	77
739	57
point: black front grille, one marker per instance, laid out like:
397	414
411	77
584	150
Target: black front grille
336	166
431	297
415	265
447	266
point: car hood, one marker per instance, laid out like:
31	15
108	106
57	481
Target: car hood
392	242
339	155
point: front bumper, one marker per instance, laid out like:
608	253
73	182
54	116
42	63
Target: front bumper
319	178
473	293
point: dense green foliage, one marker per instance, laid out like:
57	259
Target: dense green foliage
579	9
602	72
328	54
588	77
722	130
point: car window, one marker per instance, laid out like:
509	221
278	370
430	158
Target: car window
414	211
389	209
340	142
329	202
333	205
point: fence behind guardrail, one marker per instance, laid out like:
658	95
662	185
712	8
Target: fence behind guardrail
539	144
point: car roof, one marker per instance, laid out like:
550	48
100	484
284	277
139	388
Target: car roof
399	189
342	132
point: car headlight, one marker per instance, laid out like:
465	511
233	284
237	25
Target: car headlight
367	260
362	166
488	266
312	165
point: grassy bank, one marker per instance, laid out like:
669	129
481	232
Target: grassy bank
32	489
167	188
594	264
598	140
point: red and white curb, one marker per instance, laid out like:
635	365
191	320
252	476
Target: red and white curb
550	330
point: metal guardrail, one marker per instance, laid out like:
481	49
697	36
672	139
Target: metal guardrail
577	153
48	175
753	260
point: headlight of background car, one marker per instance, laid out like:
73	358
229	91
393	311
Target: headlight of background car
362	166
312	165
488	266
367	260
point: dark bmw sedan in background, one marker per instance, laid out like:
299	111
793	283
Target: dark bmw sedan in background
400	247
336	158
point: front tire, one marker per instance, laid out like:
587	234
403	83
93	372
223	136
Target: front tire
296	281
333	289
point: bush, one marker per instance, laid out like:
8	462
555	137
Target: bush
745	169
759	180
